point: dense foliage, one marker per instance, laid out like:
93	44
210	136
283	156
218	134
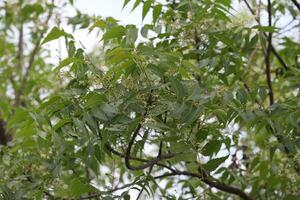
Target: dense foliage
201	103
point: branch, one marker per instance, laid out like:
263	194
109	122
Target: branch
276	54
267	56
113	151
203	176
20	47
32	57
206	179
131	143
296	4
151	167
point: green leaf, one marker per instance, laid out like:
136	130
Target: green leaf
211	147
136	4
61	123
71	48
214	163
98	24
146	8
271	29
177	87
156	12
125	3
54	34
94	99
126	197
66	62
116	32
131	34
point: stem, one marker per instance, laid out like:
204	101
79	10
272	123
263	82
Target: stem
296	4
267	56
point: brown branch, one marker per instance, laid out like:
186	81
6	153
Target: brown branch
113	151
131	143
274	51
267	56
213	183
5	135
32	57
151	167
203	176
296	4
20	55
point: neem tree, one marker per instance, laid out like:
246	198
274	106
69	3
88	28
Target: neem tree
199	104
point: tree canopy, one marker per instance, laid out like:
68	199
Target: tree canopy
202	102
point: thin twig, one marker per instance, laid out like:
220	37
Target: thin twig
296	4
